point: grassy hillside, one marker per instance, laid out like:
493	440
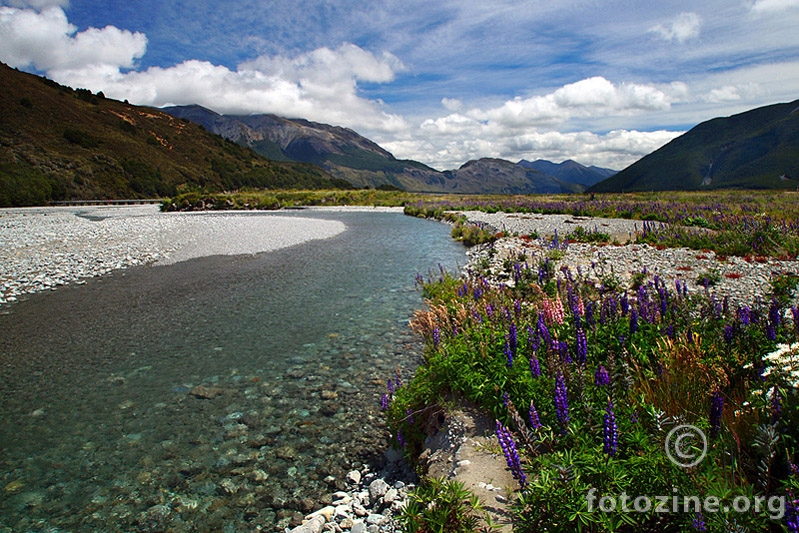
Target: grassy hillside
758	149
57	143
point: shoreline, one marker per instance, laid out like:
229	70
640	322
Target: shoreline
44	248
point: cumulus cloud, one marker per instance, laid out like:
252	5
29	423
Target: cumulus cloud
685	26
525	128
616	149
591	97
47	41
321	85
451	104
771	6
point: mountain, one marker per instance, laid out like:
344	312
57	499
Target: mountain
57	143
505	178
758	149
569	171
350	156
340	151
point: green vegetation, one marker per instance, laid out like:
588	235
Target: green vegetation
443	506
590	380
276	199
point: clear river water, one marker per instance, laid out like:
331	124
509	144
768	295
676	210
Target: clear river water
217	394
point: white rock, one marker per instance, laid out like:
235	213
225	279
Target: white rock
354	477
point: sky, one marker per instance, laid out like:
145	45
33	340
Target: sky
601	82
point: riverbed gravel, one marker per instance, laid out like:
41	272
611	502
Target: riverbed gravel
744	281
44	248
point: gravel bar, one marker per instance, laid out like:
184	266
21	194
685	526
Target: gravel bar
43	248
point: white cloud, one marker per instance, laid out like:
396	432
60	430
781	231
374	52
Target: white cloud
685	26
591	97
47	41
616	149
451	104
321	85
772	6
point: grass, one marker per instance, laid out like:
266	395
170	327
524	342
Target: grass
532	353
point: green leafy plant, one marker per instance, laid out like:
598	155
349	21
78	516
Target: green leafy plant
443	506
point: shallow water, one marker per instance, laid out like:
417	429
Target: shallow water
216	394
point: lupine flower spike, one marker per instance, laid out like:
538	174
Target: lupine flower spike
511	454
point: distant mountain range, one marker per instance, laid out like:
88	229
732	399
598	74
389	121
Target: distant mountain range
758	149
57	143
352	157
570	171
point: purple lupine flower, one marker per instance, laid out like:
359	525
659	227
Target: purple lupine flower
384	402
508	354
729	333
774	313
670	331
776	405
563	349
791	514
535	421
664	301
544	331
533	340
582	347
698	522
517	307
716	409
436	337
611	431
505	399
401	439
513	339
745	315
409	415
601	376
625	305
490	311
535	366
561	400
795	313
678	286
511	454
589	314
390	387
771	333
634	417
633	321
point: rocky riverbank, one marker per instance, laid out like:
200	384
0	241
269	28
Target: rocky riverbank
743	281
44	248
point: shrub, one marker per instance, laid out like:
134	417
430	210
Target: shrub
76	136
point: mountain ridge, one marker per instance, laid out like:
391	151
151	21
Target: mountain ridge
59	143
348	155
756	149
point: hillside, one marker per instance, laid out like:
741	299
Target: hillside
570	171
57	143
758	149
341	151
506	178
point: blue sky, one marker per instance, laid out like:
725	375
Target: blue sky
602	82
